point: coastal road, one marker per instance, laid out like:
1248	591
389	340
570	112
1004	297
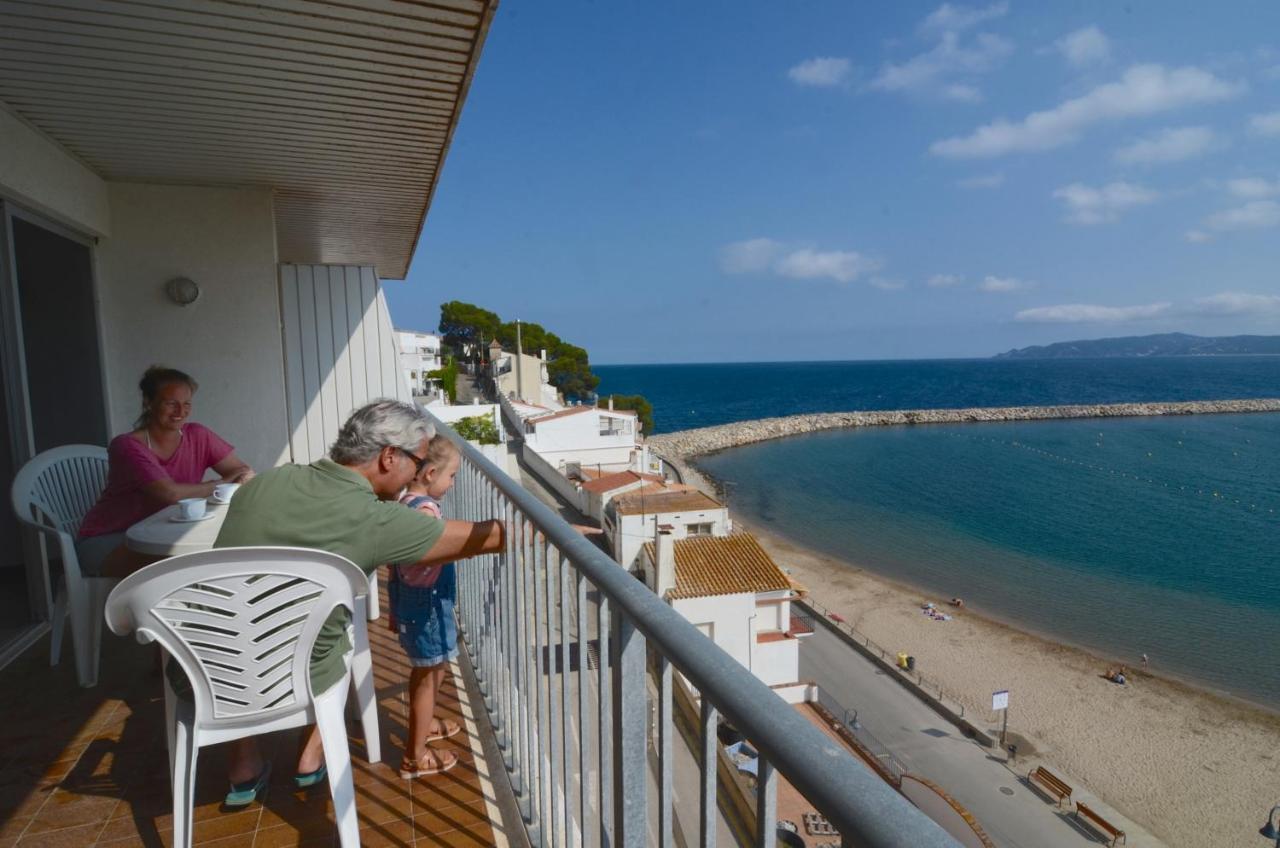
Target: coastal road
1013	815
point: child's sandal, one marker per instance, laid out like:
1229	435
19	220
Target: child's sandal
442	761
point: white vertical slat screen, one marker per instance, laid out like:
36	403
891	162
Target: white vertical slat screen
340	351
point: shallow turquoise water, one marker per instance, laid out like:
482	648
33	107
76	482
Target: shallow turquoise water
1128	536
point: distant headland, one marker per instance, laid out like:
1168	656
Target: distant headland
1161	344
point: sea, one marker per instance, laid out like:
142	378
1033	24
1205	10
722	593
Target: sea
1121	536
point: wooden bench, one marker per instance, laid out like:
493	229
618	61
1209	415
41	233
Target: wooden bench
1102	825
1050	783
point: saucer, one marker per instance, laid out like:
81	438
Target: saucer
179	519
212	501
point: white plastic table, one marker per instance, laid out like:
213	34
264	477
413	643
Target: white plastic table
159	535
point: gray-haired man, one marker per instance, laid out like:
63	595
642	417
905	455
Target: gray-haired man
346	504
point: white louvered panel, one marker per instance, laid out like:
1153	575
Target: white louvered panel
340	351
345	109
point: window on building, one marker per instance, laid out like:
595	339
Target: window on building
703	528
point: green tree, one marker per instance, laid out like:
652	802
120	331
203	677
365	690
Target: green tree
478	428
465	325
636	403
448	377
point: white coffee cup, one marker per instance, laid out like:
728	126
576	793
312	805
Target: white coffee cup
191	508
223	491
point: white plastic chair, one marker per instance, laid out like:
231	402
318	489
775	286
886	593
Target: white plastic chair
365	705
241	622
52	493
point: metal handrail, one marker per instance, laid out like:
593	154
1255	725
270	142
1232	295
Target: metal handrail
865	810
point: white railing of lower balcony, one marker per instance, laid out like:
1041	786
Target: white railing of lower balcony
574	747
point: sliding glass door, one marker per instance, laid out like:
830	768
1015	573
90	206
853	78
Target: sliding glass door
52	392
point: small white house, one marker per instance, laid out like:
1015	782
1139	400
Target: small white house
634	518
600	490
522	377
600	439
419	356
736	595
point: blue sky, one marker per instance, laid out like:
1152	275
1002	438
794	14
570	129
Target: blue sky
750	181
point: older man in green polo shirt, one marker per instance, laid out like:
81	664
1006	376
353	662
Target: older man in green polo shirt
345	504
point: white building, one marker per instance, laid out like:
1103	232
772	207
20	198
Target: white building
599	490
634	518
522	377
736	595
419	356
599	439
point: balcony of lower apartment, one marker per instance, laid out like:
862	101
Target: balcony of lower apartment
576	730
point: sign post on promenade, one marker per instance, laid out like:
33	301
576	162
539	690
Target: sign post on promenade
1000	703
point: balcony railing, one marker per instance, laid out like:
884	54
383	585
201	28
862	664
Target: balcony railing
574	739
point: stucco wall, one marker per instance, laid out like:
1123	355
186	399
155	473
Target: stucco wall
732	615
229	340
40	175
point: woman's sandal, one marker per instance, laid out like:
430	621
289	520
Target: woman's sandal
244	794
311	778
443	761
450	728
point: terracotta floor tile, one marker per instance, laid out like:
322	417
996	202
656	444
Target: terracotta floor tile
13	826
69	837
67	809
227	824
287	836
395	834
379	810
451	818
479	836
127	827
242	841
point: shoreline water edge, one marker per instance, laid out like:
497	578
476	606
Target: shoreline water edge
1192	766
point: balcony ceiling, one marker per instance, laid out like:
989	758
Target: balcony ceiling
345	109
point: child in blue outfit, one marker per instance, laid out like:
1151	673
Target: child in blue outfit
422	599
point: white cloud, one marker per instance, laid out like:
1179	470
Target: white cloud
1197	236
1167	145
843	266
1003	285
948	18
765	255
1237	303
1223	304
1266	124
1142	90
982	181
934	72
942	281
1253	187
887	284
1088	313
1089	205
746	257
1253	215
1085	47
821	71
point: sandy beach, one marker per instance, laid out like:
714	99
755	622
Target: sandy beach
1193	768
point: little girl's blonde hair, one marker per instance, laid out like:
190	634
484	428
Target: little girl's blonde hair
439	451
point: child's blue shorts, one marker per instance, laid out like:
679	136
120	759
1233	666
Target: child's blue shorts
424	618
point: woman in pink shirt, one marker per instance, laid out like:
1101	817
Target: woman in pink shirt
162	461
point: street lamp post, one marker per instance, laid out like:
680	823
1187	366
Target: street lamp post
1269	830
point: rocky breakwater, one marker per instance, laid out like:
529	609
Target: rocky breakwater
687	444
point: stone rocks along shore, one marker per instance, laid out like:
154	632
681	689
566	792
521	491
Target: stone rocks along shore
687	444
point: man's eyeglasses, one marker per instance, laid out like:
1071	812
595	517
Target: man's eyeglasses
418	461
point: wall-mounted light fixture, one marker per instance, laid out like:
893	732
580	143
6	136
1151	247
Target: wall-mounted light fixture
182	291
